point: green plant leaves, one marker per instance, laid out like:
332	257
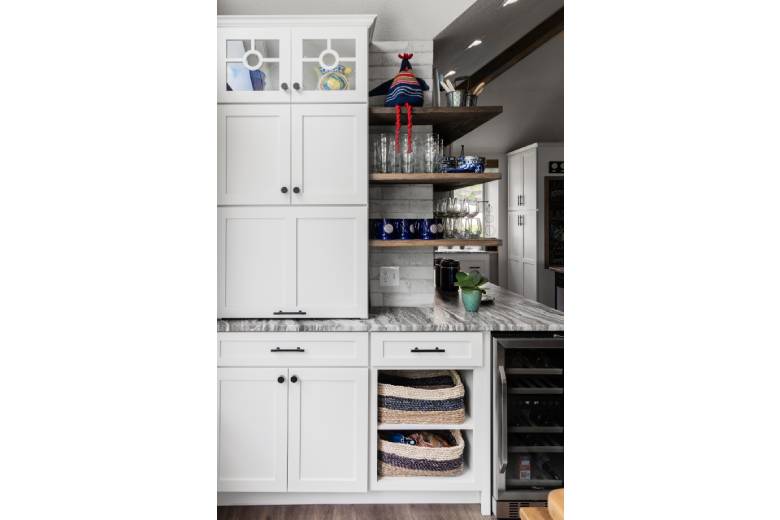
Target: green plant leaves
472	280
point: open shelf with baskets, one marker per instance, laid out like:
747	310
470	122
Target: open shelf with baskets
464	481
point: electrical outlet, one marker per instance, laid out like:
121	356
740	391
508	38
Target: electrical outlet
389	276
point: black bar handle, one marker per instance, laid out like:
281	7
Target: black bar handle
296	349
437	349
558	336
277	313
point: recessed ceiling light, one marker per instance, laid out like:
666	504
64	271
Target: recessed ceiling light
474	43
508	2
450	73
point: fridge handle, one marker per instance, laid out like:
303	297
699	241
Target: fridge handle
502	427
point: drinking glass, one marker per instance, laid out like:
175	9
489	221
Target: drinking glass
380	153
393	160
473	227
419	153
431	152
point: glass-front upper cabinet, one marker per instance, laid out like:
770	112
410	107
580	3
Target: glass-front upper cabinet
253	65
329	64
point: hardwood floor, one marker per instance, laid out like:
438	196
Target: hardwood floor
353	512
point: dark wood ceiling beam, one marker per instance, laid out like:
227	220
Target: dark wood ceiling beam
534	39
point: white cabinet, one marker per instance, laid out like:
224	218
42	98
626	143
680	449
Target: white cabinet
298	428
253	154
515	275
515	182
528	168
299	155
256	261
328	443
292	262
293	59
330	154
252	429
516	235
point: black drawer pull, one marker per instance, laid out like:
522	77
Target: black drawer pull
437	349
277	313
296	349
558	336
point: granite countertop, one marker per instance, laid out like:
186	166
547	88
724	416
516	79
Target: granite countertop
510	312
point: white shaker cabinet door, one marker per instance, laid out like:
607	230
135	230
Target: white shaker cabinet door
252	429
253	154
255	261
515	275
529	179
515	191
329	154
516	235
331	263
328	425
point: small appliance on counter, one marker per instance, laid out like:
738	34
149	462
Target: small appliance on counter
446	269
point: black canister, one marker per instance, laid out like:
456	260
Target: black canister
446	278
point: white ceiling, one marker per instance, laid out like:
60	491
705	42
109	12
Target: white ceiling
498	28
397	19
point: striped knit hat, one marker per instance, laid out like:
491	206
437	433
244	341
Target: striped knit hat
405	89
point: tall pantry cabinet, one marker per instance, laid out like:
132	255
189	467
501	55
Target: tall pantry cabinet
527	272
292	171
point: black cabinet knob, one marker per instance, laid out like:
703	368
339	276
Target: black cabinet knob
284	189
284	86
280	379
296	189
294	379
297	86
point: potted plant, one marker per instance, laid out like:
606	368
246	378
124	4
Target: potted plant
471	290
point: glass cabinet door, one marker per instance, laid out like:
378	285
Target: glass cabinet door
329	64
253	65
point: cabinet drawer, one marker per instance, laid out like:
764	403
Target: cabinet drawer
292	349
426	349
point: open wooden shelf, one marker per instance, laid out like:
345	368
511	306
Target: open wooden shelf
440	181
435	243
449	122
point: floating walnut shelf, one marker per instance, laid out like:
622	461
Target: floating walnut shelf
447	242
440	181
449	122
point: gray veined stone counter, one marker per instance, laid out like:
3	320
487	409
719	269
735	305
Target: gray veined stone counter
510	312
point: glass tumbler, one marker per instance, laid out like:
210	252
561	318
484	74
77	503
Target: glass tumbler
407	155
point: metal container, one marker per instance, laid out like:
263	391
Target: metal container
471	100
456	98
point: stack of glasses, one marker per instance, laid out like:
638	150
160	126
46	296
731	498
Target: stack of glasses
425	155
459	217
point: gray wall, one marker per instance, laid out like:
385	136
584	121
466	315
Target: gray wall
531	93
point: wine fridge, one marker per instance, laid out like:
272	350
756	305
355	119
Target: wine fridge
527	419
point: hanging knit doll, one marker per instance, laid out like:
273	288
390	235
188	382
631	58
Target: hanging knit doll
405	89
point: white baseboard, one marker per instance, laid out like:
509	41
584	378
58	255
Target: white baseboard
371	497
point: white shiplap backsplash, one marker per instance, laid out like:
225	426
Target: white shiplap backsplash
416	286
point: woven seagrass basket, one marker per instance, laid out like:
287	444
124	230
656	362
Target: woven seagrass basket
403	460
421	396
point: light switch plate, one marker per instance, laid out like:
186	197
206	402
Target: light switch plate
389	276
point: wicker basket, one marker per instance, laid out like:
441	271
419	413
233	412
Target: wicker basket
403	460
421	397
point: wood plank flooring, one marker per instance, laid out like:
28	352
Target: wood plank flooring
353	512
